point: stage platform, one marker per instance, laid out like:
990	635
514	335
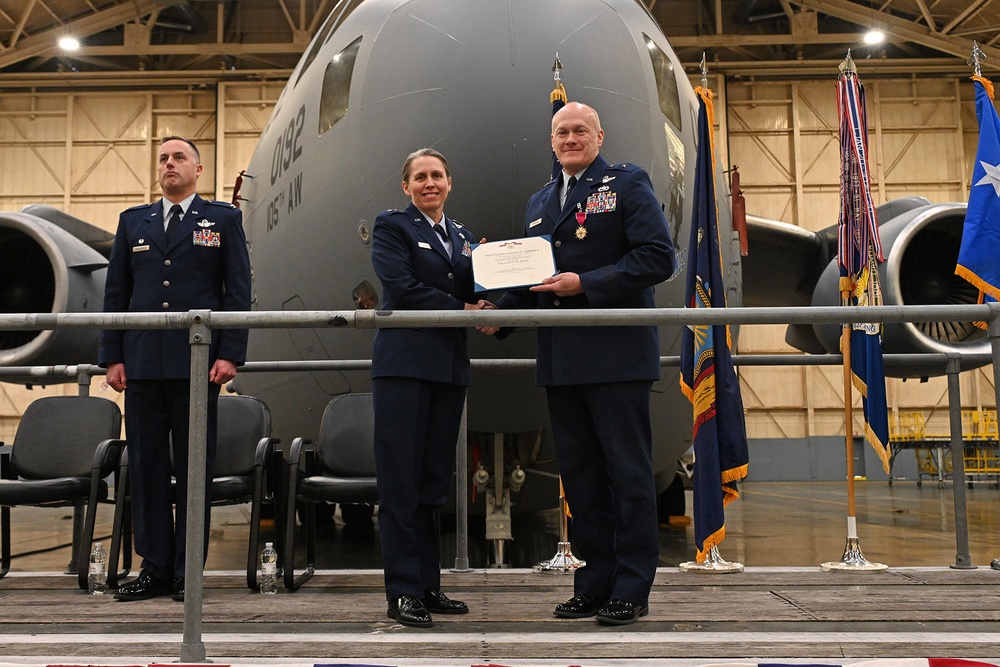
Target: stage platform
782	609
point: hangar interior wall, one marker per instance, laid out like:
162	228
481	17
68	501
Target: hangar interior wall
92	154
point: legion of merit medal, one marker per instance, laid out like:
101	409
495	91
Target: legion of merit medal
581	217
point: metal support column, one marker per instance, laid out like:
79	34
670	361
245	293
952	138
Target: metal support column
963	559
462	494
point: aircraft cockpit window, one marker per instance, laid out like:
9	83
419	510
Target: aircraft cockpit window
666	83
337	86
337	16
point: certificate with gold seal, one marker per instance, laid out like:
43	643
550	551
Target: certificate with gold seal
514	263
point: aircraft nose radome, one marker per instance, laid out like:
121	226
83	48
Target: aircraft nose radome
476	76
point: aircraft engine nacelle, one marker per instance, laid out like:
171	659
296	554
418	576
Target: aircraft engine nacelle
46	269
921	247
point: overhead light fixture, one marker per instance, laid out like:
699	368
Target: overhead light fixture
69	43
874	36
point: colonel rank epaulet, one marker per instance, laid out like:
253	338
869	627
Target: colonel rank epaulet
220	203
138	206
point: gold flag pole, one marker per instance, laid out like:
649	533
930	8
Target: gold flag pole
564	562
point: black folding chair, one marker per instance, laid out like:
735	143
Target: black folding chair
64	448
245	472
338	468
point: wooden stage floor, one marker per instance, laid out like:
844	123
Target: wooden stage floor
781	609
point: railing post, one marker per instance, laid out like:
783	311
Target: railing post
993	330
462	494
963	560
192	647
83	389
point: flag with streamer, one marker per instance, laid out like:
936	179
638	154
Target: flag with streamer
708	378
977	261
558	99
859	250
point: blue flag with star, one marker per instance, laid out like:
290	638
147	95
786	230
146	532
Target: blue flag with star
977	260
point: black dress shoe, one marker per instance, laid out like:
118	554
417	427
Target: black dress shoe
579	606
619	612
177	590
144	587
438	603
409	610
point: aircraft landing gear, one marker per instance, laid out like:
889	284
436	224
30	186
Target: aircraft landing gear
498	500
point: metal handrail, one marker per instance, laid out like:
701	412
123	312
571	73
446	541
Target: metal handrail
201	322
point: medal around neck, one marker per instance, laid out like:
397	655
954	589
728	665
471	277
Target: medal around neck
581	218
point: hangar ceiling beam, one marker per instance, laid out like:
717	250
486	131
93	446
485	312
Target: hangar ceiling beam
730	40
44	43
969	12
927	15
863	16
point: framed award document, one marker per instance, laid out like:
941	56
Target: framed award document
513	263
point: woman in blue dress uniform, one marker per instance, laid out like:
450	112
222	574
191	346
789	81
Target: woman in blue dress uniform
419	379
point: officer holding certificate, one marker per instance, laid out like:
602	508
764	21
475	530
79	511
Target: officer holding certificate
419	378
611	245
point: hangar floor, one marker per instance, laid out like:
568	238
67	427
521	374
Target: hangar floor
781	608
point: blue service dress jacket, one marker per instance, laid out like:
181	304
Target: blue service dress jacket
626	250
205	266
417	274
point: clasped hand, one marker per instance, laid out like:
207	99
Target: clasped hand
483	304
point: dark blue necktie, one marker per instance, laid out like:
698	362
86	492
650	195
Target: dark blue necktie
440	232
570	184
439	228
176	213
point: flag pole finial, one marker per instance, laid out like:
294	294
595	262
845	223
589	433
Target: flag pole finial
556	68
977	58
704	72
848	64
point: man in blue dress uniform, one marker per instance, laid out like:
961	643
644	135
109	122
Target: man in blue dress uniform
178	254
611	245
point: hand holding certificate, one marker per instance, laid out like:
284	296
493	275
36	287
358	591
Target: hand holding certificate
515	263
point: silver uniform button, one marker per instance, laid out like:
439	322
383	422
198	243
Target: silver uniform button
166	283
556	302
558	244
165	304
166	262
451	276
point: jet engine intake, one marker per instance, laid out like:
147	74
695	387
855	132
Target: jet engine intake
46	269
921	248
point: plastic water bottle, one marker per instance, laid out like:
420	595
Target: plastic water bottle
269	569
97	580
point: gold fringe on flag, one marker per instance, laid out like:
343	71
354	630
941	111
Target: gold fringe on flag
558	93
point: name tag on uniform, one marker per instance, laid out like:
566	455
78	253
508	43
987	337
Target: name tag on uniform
421	244
209	239
140	248
535	223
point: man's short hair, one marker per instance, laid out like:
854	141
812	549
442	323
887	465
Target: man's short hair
174	137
